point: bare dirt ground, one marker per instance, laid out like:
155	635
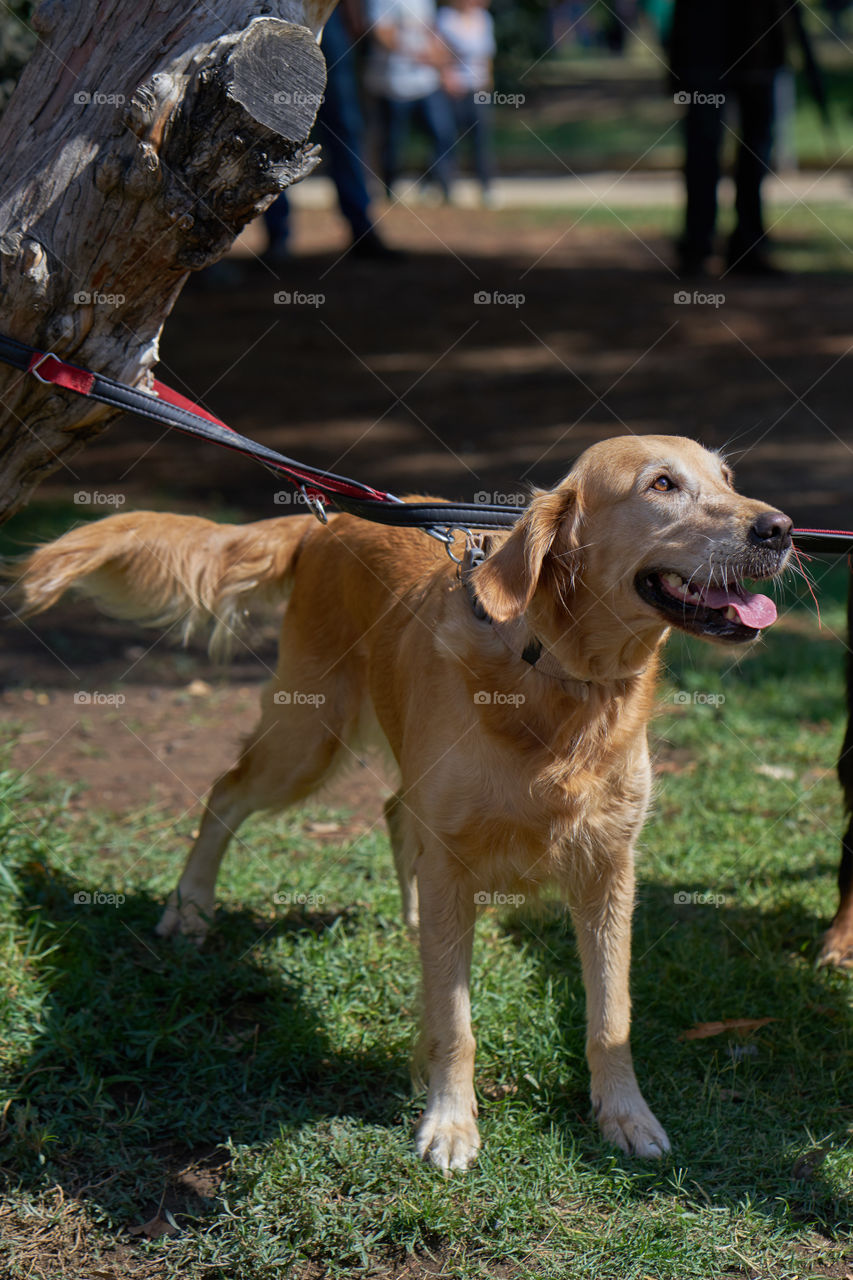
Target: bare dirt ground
395	374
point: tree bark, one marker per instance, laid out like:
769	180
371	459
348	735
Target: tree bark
139	142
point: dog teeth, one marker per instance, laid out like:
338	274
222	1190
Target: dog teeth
673	579
731	613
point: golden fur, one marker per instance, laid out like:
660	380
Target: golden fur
511	776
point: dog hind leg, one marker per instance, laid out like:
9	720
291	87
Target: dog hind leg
405	849
293	750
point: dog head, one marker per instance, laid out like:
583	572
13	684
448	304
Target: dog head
645	533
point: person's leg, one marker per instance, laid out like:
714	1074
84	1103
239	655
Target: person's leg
436	115
340	127
393	120
277	223
702	130
747	246
481	137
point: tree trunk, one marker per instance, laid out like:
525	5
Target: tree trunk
141	139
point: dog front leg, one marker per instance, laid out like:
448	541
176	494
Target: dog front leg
602	902
447	1134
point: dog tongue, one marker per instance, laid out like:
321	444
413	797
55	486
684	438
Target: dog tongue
753	610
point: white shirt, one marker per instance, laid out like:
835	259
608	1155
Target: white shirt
470	37
397	73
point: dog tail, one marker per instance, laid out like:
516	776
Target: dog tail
161	569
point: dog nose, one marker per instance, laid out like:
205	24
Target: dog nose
772	530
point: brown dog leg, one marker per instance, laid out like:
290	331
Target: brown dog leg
290	753
404	847
447	1133
601	905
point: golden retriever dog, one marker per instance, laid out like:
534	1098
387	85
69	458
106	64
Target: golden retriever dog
513	696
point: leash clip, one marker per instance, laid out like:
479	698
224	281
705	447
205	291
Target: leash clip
48	355
315	504
450	537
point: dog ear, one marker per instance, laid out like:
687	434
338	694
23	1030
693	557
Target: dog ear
506	581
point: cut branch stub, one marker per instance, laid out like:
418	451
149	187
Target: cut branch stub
276	76
124	184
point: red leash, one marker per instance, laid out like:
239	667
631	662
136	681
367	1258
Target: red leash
171	409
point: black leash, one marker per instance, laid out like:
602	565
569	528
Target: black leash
319	487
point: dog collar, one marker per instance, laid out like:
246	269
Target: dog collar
532	650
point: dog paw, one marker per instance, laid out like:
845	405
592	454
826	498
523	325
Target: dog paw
634	1130
836	949
185	918
447	1139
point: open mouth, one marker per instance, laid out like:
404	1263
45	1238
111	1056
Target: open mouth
725	613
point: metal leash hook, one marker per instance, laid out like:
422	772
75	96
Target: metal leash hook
451	531
440	535
316	504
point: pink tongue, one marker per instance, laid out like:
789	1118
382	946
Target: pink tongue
752	610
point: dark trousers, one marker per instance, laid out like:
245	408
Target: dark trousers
474	126
703	127
339	130
435	116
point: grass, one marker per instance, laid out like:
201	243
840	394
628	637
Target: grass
642	128
258	1090
813	237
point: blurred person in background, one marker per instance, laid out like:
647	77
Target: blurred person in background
403	72
837	12
468	35
723	52
339	129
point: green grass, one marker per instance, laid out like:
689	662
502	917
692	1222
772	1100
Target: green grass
817	237
280	1052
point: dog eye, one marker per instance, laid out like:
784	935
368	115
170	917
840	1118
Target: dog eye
663	484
